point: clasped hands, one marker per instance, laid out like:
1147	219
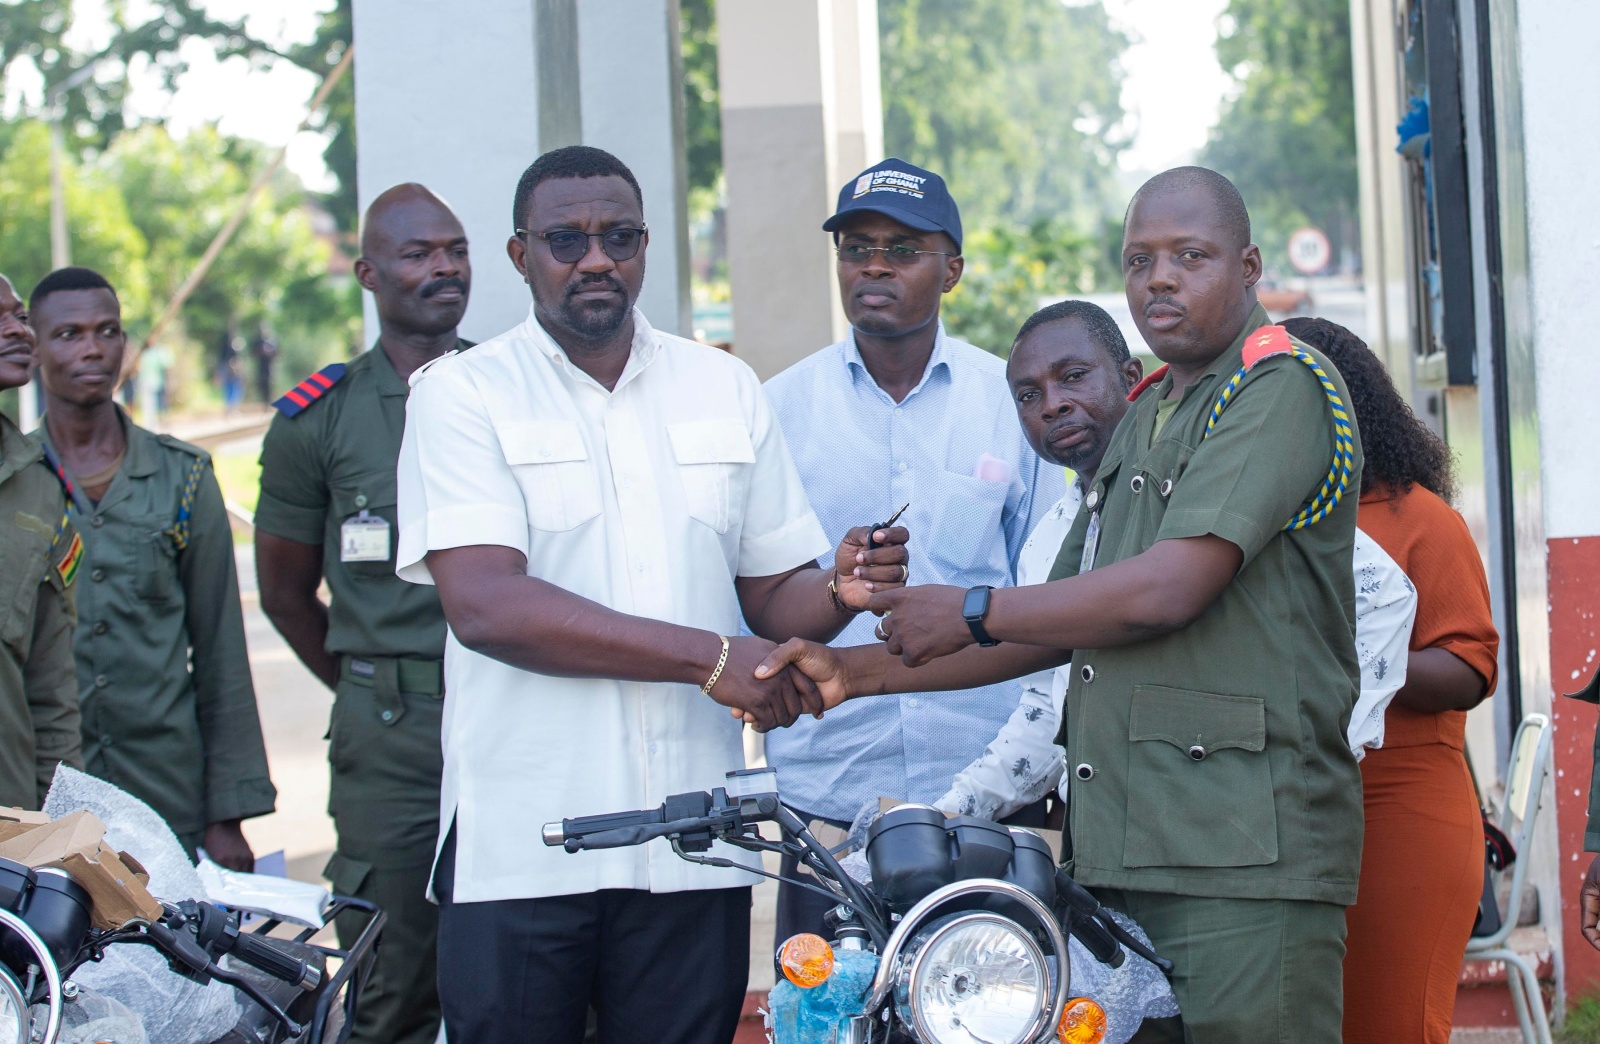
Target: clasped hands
778	696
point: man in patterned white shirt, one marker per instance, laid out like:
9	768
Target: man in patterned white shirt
1070	373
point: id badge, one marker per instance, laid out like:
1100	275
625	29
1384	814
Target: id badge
1091	543
364	538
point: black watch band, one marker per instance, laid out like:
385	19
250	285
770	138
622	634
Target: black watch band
974	607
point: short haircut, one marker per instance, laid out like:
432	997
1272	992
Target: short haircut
1232	214
1096	322
74	278
573	161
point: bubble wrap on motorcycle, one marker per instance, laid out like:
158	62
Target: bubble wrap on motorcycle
818	1015
1129	994
174	1010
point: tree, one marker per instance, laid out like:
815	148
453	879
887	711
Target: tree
1016	103
1288	138
1010	270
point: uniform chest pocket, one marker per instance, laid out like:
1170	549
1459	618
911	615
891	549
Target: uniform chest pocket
24	557
714	458
551	465
374	494
156	560
1199	782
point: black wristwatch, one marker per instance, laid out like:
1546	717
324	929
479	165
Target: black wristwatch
974	608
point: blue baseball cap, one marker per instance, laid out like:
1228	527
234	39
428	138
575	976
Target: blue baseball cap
914	197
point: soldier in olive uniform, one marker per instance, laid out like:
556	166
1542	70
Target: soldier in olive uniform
1206	591
40	552
169	709
327	511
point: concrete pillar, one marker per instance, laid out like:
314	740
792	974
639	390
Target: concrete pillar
464	111
801	113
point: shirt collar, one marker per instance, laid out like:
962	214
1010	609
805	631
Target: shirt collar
938	361
646	346
1229	362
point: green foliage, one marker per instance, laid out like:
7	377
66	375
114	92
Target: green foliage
1288	138
1015	102
1009	272
338	117
100	229
1582	1025
702	115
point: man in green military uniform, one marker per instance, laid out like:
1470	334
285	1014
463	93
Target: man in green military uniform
1206	590
327	511
39	556
169	711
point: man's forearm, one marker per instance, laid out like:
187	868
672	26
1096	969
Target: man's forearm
797	607
304	625
874	671
1157	592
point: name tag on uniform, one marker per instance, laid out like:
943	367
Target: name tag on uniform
364	538
1091	543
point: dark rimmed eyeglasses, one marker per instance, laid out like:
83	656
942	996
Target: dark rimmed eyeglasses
568	245
897	254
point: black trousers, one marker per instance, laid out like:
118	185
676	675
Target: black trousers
801	909
658	968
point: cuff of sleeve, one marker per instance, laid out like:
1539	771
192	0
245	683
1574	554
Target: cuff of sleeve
800	541
302	525
245	799
1242	532
463	525
1477	656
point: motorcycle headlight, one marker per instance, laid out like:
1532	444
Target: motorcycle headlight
973	978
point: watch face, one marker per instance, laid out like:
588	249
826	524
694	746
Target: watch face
976	604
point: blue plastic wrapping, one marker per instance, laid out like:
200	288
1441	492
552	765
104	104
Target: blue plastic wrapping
818	1015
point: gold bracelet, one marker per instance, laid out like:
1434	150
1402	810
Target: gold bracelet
722	661
833	596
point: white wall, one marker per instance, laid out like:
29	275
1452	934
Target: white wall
453	102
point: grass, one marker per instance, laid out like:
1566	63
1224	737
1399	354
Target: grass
1582	1025
239	474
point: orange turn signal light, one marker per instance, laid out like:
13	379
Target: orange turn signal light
1083	1022
806	960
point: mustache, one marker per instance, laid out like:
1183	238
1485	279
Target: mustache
440	285
1169	302
594	282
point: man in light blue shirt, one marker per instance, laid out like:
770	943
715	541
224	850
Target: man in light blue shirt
901	413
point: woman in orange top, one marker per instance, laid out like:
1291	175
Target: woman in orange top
1422	862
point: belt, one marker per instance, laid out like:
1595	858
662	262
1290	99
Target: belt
422	677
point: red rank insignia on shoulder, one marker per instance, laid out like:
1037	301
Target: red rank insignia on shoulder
309	390
1265	343
1150	378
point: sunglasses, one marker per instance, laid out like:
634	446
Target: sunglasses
568	245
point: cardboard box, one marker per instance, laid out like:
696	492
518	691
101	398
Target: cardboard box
76	844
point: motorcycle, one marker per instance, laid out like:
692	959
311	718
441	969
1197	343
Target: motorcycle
46	935
959	937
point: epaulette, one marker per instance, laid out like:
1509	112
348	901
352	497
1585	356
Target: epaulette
309	390
422	371
1265	343
1150	378
186	447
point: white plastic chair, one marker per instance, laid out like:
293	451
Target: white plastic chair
1530	760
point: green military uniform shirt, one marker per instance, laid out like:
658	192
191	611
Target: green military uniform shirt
1212	761
169	709
327	465
39	555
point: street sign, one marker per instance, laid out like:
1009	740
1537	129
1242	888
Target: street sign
1309	250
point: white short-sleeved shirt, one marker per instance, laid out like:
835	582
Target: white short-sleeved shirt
649	499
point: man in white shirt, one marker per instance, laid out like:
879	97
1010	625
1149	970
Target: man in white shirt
1070	373
598	503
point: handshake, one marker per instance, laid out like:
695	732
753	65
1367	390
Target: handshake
770	685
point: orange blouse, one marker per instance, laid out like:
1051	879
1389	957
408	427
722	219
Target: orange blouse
1430	542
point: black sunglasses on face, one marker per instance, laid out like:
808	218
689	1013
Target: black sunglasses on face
568	245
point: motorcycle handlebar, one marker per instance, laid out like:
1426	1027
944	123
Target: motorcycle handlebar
259	953
625	837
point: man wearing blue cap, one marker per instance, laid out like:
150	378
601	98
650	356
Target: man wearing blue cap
901	413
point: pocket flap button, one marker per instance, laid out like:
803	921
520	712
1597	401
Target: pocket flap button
1198	753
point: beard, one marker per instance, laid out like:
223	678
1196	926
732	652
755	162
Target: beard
593	320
